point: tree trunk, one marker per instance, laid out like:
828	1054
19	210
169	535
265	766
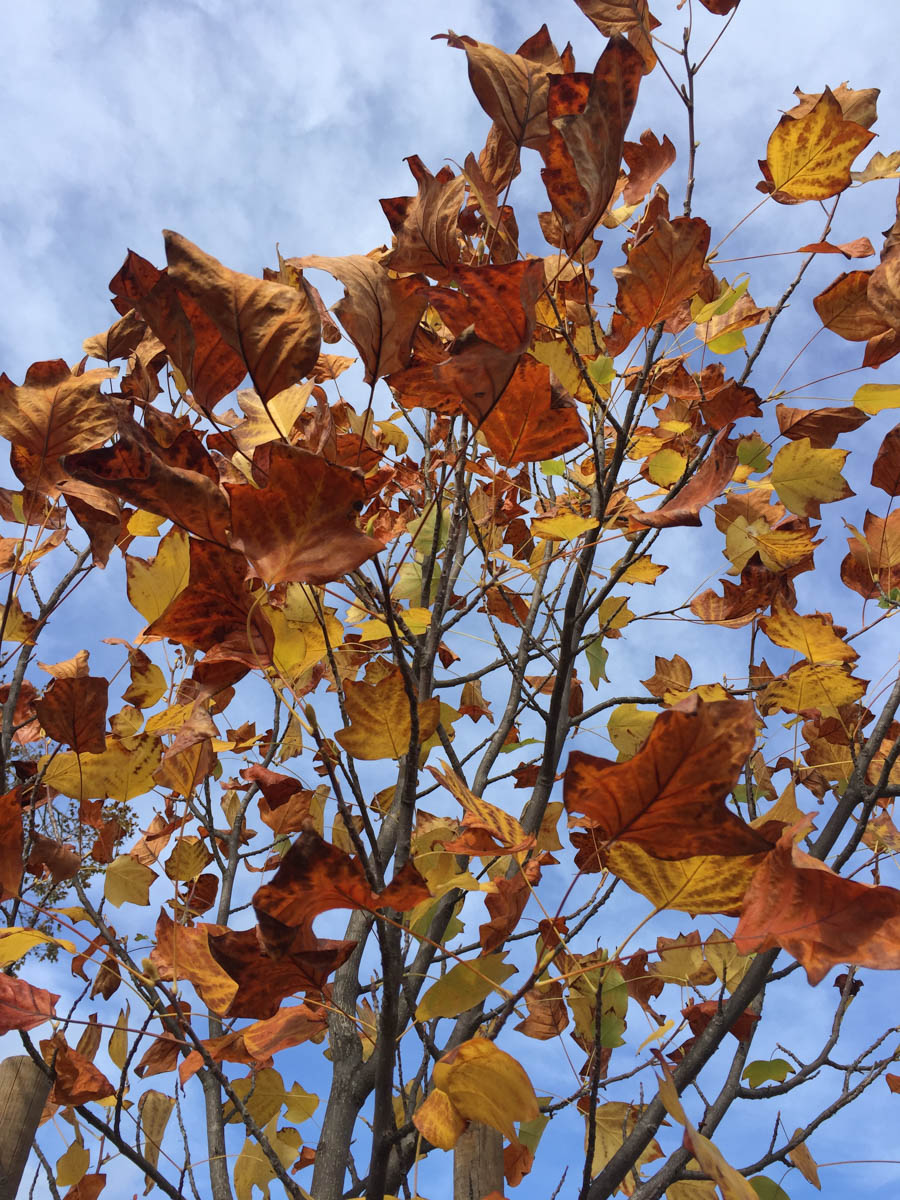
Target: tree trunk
478	1163
24	1089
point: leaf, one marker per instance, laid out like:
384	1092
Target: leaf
122	772
380	313
71	1166
624	16
823	426
804	1162
813	636
732	1185
301	525
534	418
77	1080
758	1072
154	1110
808	157
588	118
154	583
876	397
274	328
662	270
613	1123
24	1006
708	883
425	226
670	797
804	478
886	468
819	918
16	942
465	985
767	1189
183	953
252	1168
73	711
476	1081
844	308
646	161
380	718
879	166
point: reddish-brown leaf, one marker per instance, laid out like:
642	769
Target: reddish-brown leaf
88	1187
818	917
872	568
883	292
425	225
301	524
670	797
589	115
275	329
547	1015
59	860
24	1006
646	161
710	480
886	468
11	844
77	1080
663	269
73	711
380	313
823	426
699	1015
844	308
534	418
315	877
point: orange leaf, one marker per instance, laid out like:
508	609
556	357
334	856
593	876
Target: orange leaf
709	481
11	844
425	225
670	797
77	1080
23	1006
844	308
534	418
819	918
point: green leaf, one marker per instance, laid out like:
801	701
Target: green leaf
466	984
767	1189
760	1072
597	654
553	466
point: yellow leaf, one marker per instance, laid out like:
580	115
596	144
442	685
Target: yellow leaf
562	528
708	883
144	524
812	685
876	397
804	478
809	157
264	1095
118	1039
614	614
812	636
15	943
71	1166
722	955
641	570
629	727
614	1122
464	985
154	583
778	549
119	773
500	824
731	1183
154	1110
380	724
476	1081
253	1169
666	467
19	624
804	1162
127	881
188	859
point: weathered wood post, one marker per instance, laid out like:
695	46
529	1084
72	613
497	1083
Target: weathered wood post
24	1089
477	1163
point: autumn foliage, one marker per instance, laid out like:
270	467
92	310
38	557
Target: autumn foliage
428	522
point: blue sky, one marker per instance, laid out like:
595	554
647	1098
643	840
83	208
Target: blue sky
247	126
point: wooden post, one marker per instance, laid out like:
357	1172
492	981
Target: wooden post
478	1163
24	1089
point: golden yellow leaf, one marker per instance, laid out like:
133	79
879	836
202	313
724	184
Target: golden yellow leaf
613	1122
118	1039
15	943
71	1166
876	397
629	727
127	881
731	1183
484	1083
154	1110
438	1121
154	583
804	478
119	773
563	528
812	636
708	883
253	1169
809	157
380	723
812	685
778	549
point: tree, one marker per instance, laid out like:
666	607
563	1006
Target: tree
433	573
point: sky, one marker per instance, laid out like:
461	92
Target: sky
252	127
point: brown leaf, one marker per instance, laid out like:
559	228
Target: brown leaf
73	711
547	1015
379	312
534	418
819	918
11	843
883	292
316	877
857	106
844	308
275	329
670	797
624	16
663	269
646	161
872	568
588	117
425	225
823	426
59	860
301	524
859	248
